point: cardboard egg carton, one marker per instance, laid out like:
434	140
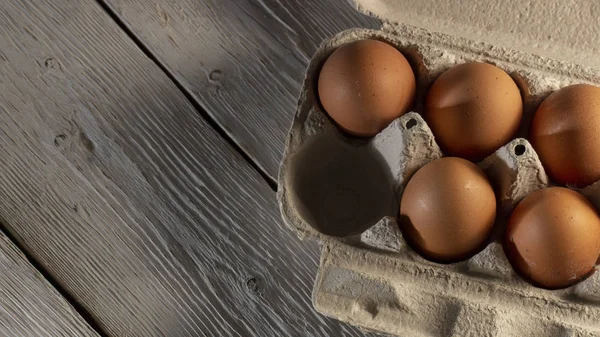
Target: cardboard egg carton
371	278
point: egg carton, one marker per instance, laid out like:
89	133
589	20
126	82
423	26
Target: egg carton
371	278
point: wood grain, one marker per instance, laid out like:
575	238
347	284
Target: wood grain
29	305
118	187
242	60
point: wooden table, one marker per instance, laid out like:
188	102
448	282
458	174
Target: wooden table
139	144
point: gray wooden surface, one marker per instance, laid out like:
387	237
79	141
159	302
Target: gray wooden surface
113	182
29	305
242	60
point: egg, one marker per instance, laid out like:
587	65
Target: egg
565	135
473	109
448	210
364	85
553	237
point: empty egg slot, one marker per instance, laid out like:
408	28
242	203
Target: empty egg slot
340	189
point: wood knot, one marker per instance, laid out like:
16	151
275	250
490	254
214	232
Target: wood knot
60	139
215	76
51	63
254	285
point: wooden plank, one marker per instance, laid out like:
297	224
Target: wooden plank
119	188
29	305
242	60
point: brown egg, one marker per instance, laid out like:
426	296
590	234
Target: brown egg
473	109
448	210
364	85
565	133
553	237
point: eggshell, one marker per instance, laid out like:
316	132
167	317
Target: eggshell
553	237
473	109
448	210
364	85
565	133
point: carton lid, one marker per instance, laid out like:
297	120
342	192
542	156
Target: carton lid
562	30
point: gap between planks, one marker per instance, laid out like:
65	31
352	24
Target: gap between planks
189	96
87	317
